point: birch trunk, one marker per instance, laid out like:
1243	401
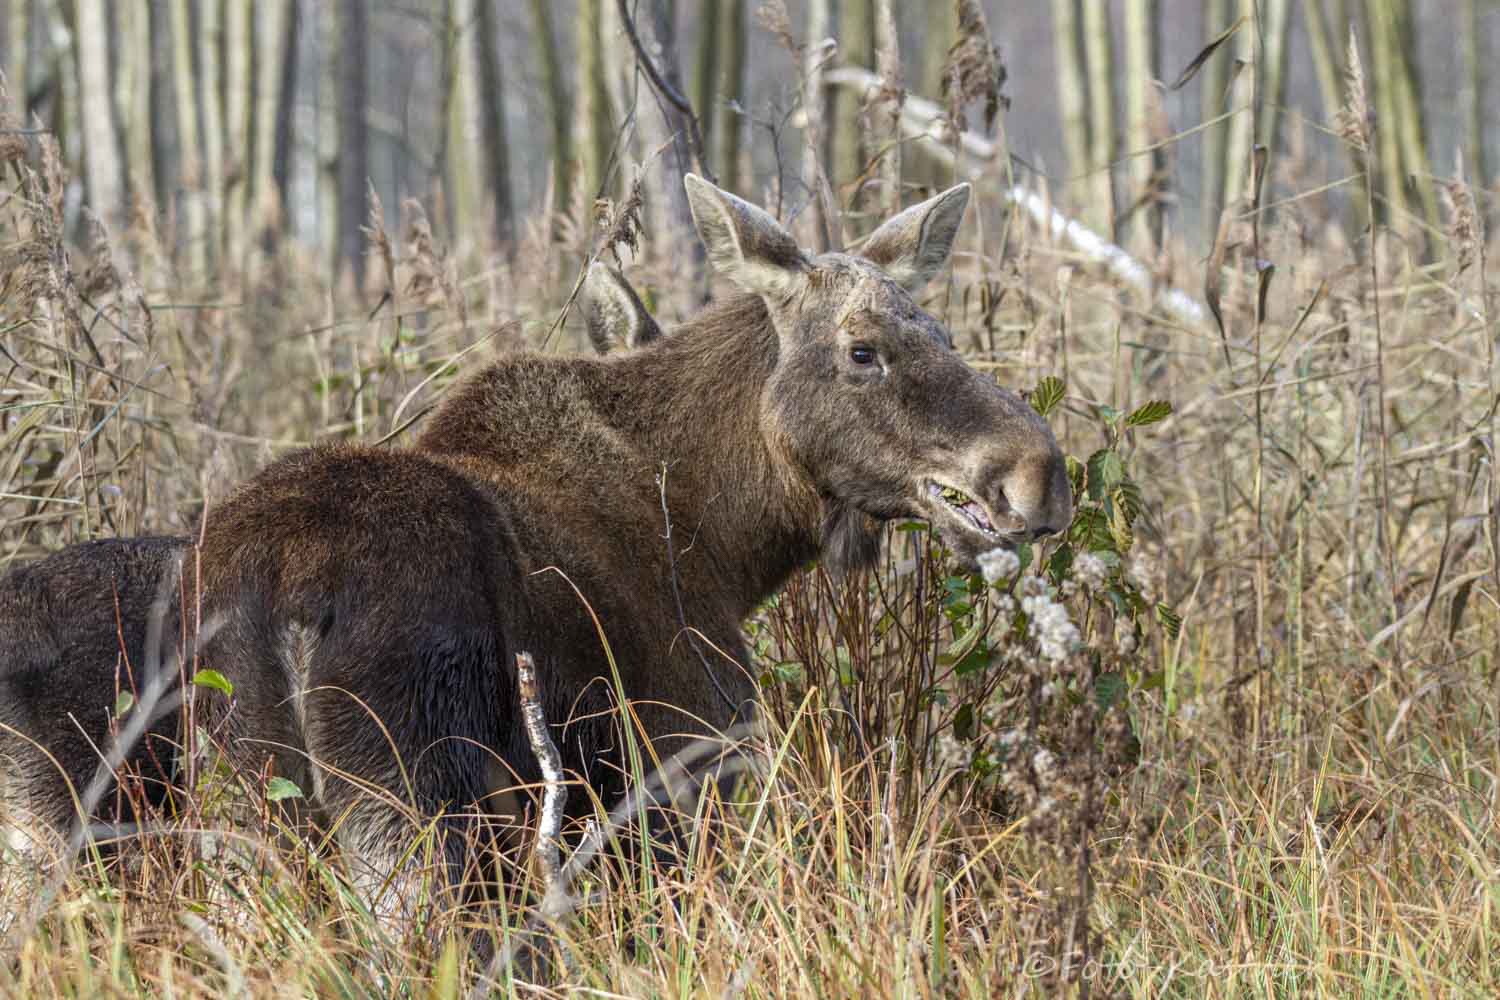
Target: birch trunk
238	131
1142	71
210	41
192	236
18	57
1072	95
101	151
271	20
1099	62
888	132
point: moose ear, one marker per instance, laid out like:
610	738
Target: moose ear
615	315
913	246
745	244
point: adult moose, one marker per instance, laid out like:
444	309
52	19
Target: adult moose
374	601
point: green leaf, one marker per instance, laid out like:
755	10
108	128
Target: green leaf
963	723
1119	528
1150	412
1105	471
1090	530
1023	553
1060	563
1127	496
1109	689
1077	475
214	679
787	671
124	702
1170	620
975	660
279	788
1048	393
845	665
1109	414
963	645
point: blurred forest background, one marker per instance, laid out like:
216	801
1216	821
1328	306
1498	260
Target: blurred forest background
235	124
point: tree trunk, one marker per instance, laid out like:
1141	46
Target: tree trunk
664	127
826	219
491	108
271	20
18	58
192	237
239	131
1409	121
462	148
595	122
1384	56
1072	95
354	134
888	56
101	151
328	132
286	104
1215	74
559	112
940	34
1275	38
706	92
856	35
1099	63
1471	95
1142	71
134	103
730	124
210	43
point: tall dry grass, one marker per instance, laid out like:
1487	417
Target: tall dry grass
1294	794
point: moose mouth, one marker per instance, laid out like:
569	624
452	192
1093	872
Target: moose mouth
964	507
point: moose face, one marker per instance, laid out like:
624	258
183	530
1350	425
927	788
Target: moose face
868	399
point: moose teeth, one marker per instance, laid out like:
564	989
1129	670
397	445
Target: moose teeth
965	505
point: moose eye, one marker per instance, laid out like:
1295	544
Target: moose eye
862	355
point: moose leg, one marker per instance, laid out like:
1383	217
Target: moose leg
401	733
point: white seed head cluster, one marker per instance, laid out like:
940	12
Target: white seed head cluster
953	753
1090	571
999	564
1053	630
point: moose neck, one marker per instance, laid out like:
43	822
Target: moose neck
693	404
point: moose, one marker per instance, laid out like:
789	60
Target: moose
372	602
97	619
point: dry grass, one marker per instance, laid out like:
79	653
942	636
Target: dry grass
1296	796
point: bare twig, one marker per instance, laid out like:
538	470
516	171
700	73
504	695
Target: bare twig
667	91
554	791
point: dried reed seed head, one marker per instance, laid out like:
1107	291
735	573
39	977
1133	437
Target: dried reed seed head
1355	121
973	69
379	239
13	146
774	18
622	222
424	266
1464	227
100	276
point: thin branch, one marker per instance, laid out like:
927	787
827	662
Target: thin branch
667	91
